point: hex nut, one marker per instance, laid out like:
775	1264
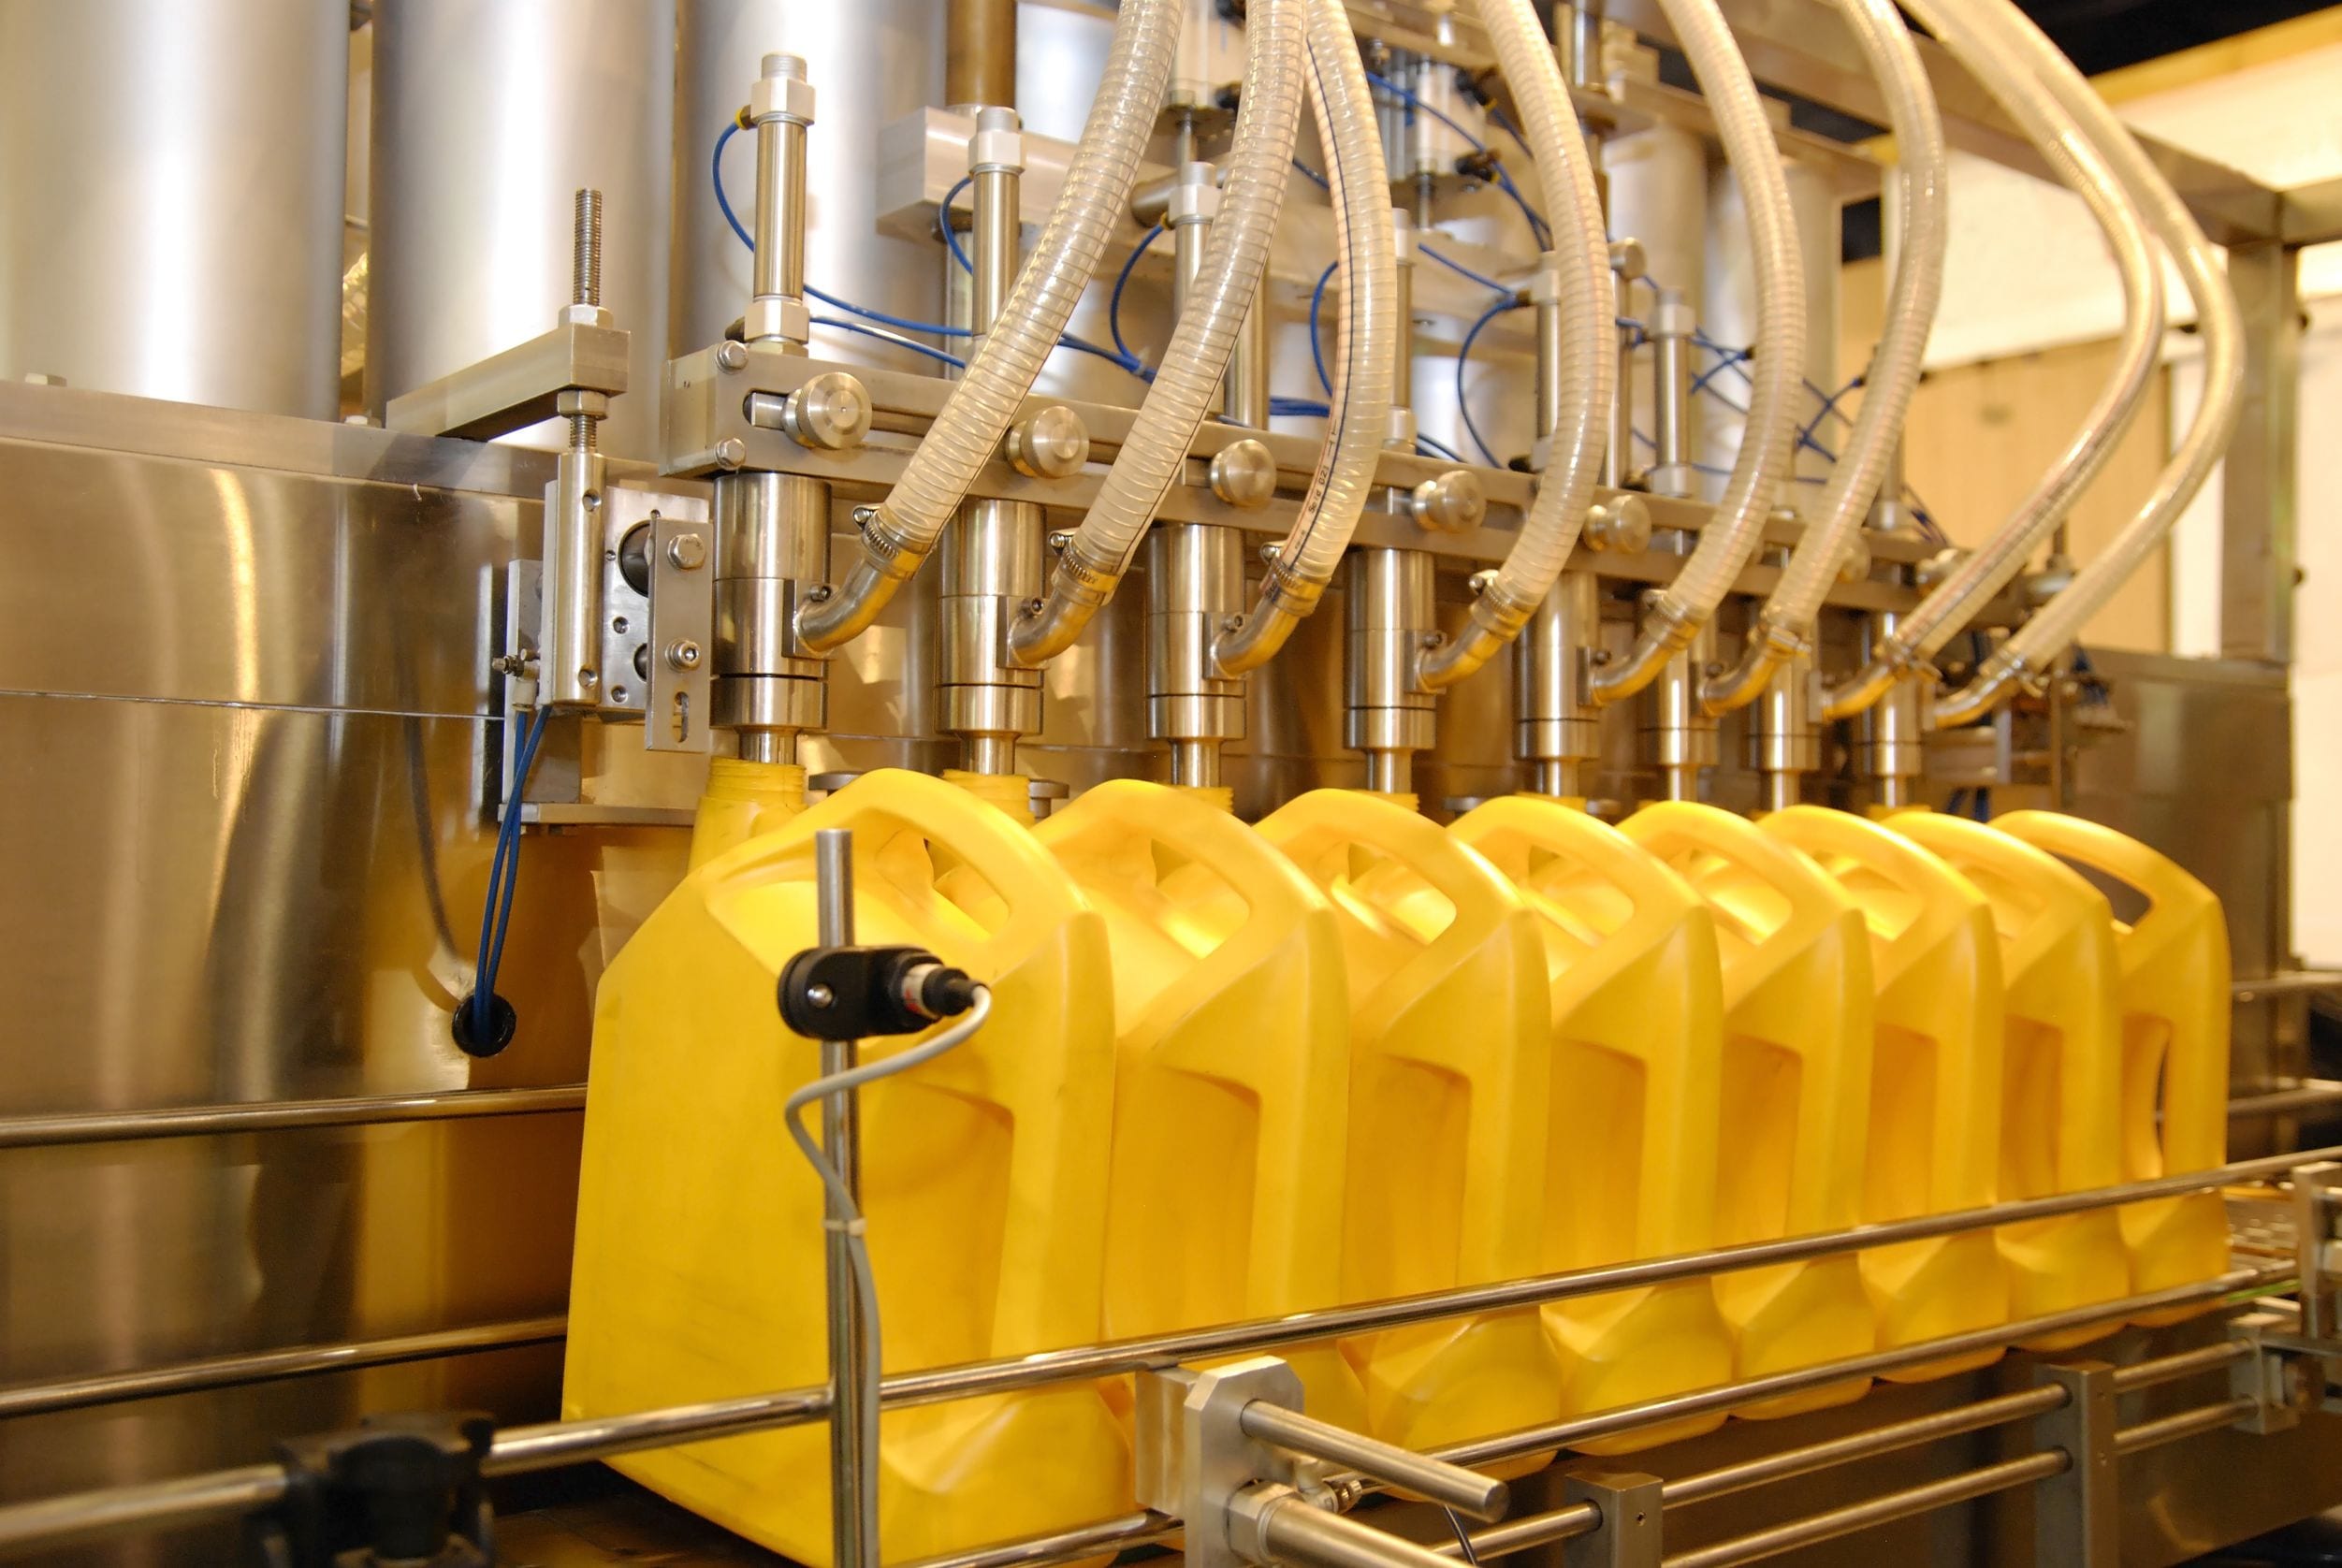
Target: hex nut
1244	473
1052	444
830	413
780	96
687	552
586	315
731	356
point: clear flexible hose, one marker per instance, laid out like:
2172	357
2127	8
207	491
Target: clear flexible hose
1784	628
1588	368
898	534
2082	167
1235	256
1765	461
1365	346
2039	642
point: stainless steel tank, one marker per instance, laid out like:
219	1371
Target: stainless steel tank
170	197
489	114
872	62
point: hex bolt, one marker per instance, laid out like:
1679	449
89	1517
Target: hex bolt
687	552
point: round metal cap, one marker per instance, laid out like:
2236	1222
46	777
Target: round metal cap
1855	565
831	412
1622	523
1451	503
1052	444
1244	473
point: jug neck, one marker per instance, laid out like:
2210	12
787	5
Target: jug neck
1009	792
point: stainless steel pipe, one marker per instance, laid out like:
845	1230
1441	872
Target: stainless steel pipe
1483	1497
854	1425
210	1120
1816	1528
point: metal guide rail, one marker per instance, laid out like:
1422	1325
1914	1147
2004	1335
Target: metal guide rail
1220	1451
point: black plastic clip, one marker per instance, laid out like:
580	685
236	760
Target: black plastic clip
1480	166
399	1488
850	994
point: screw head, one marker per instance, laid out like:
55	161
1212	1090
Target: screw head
687	552
818	996
731	356
683	654
1244	473
831	412
731	453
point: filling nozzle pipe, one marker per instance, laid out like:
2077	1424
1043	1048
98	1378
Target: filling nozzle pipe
1784	628
1226	236
1301	566
2033	650
1586	374
2084	166
1766	459
901	531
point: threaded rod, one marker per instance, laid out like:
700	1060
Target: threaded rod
584	260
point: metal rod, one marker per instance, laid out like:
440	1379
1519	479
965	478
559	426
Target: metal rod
136	1510
1292	1531
2301	1096
1858	1446
979	55
271	1365
854	1484
1529	1530
1728	1395
2186	1424
1876	1511
201	1121
1483	1497
2187	1363
1145	1528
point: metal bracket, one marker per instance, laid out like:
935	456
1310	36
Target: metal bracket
1630	1533
682	621
517	388
1193	1455
2279	1377
2077	1519
2318	1247
401	1488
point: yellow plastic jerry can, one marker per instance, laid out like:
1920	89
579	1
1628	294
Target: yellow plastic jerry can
1448	1100
1934	1076
1795	1087
1636	1021
698	1272
2060	1128
1233	1025
2172	988
742	800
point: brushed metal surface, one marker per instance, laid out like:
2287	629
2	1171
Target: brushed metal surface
171	198
488	115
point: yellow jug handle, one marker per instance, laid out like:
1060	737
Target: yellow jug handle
1509	823
1310	826
1669	827
887	803
1270	887
2180	911
1942	896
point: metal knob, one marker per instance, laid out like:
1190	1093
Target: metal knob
1052	444
1452	503
1854	565
1622	523
1244	473
831	412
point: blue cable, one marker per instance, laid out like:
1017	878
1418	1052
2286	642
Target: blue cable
1131	361
1464	361
1438	449
1314	176
910	343
503	877
1459	268
1316	346
1298	408
943	222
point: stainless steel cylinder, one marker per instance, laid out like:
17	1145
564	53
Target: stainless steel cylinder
1577	39
1730	307
996	250
1195	579
1389	611
1193	203
1678	734
1246	400
875	63
772	546
171	199
1891	748
778	264
1552	723
1618	459
569	639
470	202
992	566
1785	733
1403	355
981	49
1672	325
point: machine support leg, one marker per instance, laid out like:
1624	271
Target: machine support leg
2077	1518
